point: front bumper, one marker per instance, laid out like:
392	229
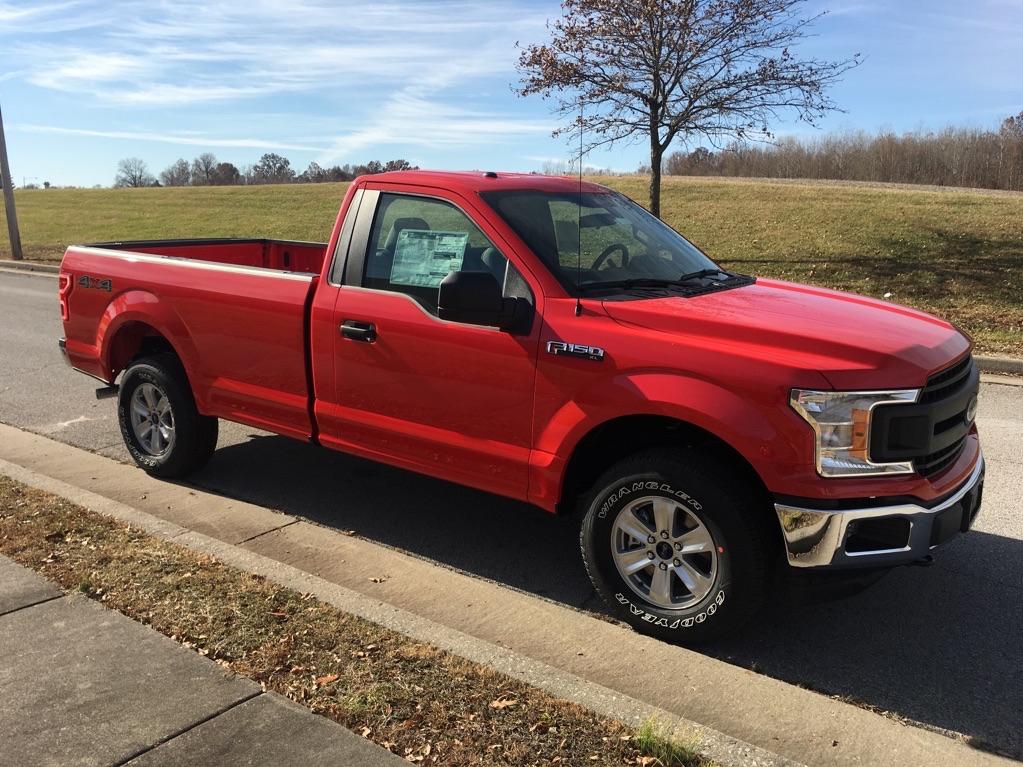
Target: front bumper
878	536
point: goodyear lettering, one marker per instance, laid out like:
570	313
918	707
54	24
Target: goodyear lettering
678	623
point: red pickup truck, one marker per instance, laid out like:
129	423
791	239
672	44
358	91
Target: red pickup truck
552	342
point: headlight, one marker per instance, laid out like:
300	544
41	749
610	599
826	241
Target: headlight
841	424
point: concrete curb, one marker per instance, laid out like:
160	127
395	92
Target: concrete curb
29	266
713	745
1003	365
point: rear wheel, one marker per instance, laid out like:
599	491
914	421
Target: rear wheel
676	544
162	429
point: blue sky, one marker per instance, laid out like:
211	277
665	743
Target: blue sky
83	84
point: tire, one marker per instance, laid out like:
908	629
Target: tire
179	440
710	587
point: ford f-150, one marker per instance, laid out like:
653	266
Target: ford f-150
550	341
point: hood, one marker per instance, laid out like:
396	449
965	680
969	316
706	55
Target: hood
854	341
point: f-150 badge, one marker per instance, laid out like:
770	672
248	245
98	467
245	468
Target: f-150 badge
581	351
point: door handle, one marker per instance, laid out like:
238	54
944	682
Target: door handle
359	331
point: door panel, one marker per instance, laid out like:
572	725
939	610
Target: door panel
449	399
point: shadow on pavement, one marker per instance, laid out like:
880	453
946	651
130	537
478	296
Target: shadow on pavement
940	645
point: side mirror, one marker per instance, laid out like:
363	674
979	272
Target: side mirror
475	298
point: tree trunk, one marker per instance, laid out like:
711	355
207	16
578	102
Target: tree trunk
655	179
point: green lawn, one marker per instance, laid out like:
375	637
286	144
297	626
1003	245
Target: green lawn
956	253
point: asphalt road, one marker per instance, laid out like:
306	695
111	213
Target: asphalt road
941	645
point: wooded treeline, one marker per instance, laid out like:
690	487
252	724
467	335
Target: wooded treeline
272	168
968	157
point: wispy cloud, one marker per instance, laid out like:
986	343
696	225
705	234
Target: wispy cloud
847	8
402	71
190	52
184	139
14	14
412	120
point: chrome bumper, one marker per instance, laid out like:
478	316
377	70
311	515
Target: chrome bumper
843	539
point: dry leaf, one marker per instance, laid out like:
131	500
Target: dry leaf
326	679
503	702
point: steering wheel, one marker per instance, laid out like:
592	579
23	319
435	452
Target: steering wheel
599	260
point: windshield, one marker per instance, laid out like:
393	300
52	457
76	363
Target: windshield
598	238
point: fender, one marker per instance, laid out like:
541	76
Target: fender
144	307
737	421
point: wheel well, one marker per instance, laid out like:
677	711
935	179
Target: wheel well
619	438
135	340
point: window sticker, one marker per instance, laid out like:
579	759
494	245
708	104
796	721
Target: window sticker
424	257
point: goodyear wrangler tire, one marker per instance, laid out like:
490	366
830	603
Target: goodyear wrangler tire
162	429
677	545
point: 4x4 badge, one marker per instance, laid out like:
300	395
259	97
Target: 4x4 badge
582	351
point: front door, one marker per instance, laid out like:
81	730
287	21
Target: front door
448	399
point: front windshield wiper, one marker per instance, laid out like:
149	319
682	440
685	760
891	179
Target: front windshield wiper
702	273
637	282
653	282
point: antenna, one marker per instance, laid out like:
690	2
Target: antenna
579	217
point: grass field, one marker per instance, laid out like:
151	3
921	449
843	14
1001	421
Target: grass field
957	253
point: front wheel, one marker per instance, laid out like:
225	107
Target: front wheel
677	545
162	429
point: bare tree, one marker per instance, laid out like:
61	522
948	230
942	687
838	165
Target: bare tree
226	174
555	168
133	172
203	167
176	174
667	69
313	174
272	168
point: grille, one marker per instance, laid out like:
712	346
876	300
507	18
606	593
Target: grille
932	463
945	382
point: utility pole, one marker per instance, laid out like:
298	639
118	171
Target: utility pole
5	179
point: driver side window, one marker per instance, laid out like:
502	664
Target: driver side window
415	242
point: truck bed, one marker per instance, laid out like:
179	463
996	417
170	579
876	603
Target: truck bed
234	311
283	255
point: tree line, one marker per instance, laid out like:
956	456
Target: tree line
967	157
206	170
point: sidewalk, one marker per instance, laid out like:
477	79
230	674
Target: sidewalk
571	655
86	685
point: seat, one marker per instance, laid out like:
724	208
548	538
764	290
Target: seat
378	264
400	224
